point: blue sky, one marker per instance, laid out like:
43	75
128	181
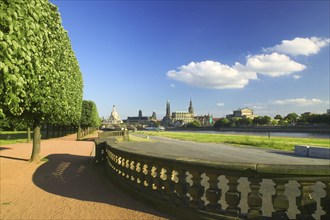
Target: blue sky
271	56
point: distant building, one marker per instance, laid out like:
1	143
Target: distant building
141	120
180	118
205	120
114	118
328	111
242	113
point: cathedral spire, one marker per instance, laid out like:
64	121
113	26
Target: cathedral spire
168	109
191	108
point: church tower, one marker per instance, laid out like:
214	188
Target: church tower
191	108
168	109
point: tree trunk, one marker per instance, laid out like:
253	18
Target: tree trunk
36	144
28	135
79	133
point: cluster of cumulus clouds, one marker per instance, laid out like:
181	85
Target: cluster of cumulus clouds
273	62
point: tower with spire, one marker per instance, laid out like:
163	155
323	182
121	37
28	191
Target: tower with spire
191	108
168	110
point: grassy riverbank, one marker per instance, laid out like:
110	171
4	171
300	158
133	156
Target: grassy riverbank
281	143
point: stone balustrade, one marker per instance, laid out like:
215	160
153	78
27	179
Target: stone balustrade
192	189
114	134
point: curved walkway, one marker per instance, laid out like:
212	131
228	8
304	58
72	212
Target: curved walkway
66	185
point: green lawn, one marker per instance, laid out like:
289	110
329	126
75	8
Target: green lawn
13	137
281	143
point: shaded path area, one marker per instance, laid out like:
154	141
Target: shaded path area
66	185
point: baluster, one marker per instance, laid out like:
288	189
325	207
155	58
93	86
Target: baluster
146	178
233	197
117	164
213	194
254	199
127	169
325	201
132	171
196	190
139	175
156	172
181	187
122	167
168	184
305	202
280	201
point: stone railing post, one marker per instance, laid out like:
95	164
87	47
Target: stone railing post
254	199
280	201
233	197
305	202
168	184
213	194
325	201
196	190
181	187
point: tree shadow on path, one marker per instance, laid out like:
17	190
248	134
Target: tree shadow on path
76	177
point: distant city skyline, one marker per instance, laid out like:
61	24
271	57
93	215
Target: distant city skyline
272	57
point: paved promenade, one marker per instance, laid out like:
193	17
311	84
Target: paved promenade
65	186
171	148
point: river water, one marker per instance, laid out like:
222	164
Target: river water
274	134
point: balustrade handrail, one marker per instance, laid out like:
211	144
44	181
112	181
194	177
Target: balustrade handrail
144	175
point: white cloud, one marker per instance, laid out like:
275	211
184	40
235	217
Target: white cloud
210	74
296	76
273	65
300	46
220	104
172	85
297	102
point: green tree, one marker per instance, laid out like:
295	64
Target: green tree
223	122
40	79
244	122
291	118
194	124
278	117
89	115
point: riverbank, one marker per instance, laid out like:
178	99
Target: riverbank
280	143
321	129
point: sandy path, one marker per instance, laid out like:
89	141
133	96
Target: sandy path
67	186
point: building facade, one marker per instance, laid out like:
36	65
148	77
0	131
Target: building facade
242	113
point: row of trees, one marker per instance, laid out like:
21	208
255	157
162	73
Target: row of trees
40	79
290	119
90	119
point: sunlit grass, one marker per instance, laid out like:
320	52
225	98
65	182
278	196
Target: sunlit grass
281	143
13	141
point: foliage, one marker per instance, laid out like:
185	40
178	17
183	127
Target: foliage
40	80
278	117
223	122
194	124
291	118
282	143
13	124
262	120
89	115
314	119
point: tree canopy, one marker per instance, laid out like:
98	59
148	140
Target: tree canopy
40	79
89	115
